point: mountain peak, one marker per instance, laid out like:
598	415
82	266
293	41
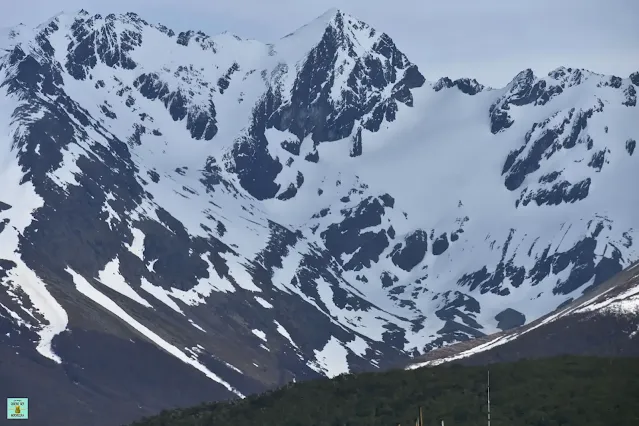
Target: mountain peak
316	28
333	16
345	30
330	14
339	19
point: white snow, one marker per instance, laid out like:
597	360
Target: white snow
626	302
285	334
263	302
112	278
197	326
113	215
15	317
331	360
137	246
232	367
358	346
239	273
161	294
259	333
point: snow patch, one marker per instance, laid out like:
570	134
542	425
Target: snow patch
624	303
137	245
110	276
259	333
358	346
159	293
263	302
197	326
285	334
331	360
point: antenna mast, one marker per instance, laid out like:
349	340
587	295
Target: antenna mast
488	397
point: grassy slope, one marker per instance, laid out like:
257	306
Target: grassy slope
575	391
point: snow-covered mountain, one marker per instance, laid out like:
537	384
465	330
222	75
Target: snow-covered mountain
602	322
240	214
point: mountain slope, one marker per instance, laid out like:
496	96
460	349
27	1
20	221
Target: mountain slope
266	213
603	322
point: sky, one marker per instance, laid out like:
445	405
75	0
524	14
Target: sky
490	40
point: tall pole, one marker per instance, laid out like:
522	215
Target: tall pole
421	418
488	397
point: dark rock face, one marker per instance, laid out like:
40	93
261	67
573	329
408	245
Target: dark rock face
586	266
544	140
224	82
292	147
631	96
598	159
462	305
526	89
310	109
96	40
409	254
510	318
442	83
440	245
522	91
356	149
255	167
465	85
457	306
205	42
200	121
559	192
346	238
492	282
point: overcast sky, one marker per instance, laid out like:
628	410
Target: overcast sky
490	40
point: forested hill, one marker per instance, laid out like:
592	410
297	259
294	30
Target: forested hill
576	391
